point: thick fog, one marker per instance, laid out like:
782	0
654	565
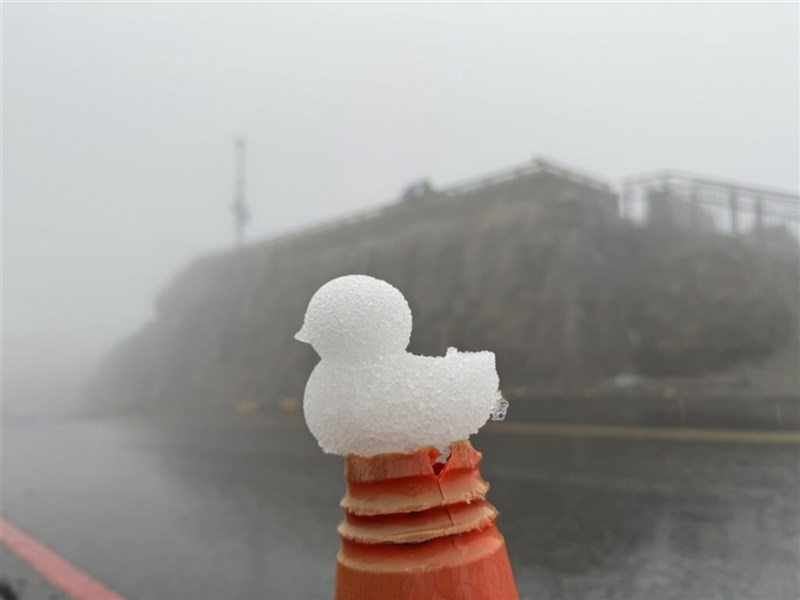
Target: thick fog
118	126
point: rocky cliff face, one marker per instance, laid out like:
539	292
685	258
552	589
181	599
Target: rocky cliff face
539	270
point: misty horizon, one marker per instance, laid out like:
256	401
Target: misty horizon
119	120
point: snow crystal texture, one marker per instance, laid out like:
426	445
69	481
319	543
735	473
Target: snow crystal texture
369	396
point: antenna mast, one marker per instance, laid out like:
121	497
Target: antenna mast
241	213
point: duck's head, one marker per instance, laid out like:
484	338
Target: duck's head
356	316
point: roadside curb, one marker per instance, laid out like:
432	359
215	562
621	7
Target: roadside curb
24	582
769	413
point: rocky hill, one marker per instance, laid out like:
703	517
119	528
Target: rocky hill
536	267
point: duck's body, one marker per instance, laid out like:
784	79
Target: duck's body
400	402
369	396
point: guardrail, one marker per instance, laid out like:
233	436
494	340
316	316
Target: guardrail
673	197
692	201
538	165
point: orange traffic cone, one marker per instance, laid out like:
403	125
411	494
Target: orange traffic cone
416	529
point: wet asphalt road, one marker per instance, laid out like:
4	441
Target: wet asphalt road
207	509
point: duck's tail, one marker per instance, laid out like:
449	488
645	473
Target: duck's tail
500	408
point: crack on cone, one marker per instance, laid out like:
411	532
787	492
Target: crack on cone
439	461
391	538
439	466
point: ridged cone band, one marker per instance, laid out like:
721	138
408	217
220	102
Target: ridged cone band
417	529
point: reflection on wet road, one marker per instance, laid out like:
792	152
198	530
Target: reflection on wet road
204	509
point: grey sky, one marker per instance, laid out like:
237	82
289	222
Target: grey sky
118	122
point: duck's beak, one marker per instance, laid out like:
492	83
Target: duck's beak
302	336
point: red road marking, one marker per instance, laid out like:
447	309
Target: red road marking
66	577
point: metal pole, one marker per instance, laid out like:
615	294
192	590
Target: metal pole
759	214
624	201
734	202
241	214
695	210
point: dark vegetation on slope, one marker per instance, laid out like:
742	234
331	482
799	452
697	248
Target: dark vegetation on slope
548	277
